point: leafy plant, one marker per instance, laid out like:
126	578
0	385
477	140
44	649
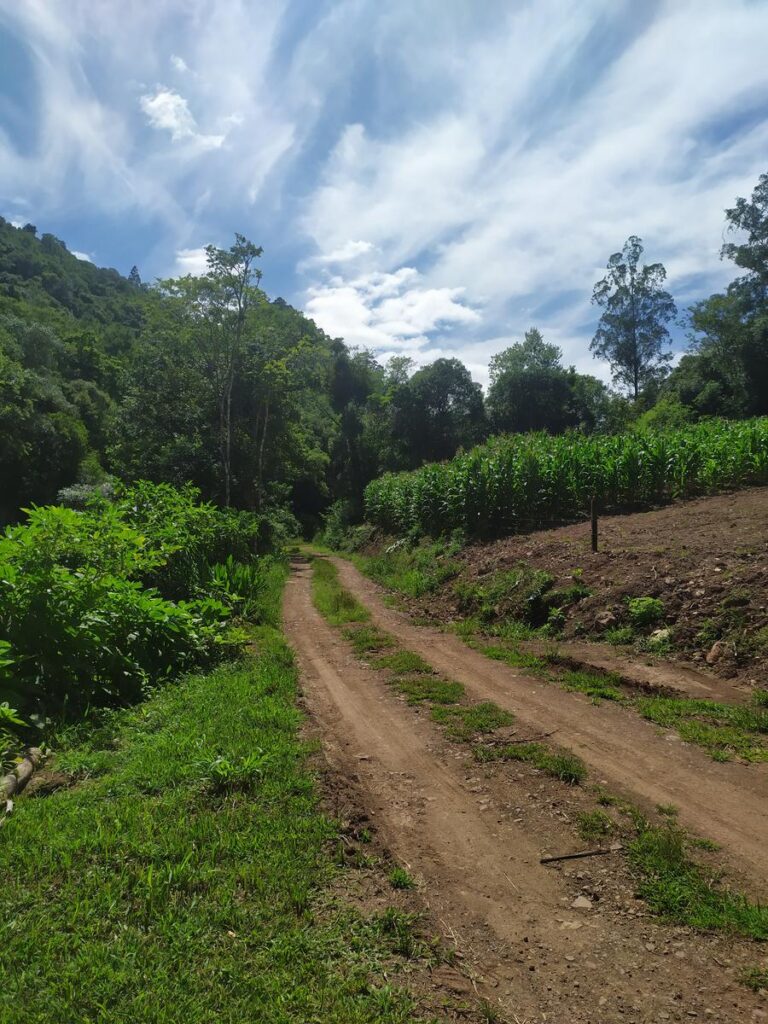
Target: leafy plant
512	483
645	611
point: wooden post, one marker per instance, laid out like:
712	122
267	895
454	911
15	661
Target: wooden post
593	512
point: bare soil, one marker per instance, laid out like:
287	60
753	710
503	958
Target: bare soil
706	560
473	836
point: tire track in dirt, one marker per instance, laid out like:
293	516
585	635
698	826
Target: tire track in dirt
479	870
724	802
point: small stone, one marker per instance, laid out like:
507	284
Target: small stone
715	653
582	903
605	619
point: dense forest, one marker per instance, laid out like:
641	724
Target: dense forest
206	380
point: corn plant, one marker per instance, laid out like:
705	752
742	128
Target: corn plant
514	483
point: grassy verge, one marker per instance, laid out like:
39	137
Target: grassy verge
181	876
723	730
462	720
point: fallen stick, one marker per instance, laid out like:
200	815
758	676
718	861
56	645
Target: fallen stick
585	853
14	782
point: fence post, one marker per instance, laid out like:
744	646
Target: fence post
593	513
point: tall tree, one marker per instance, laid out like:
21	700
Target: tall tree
213	309
438	410
751	216
727	371
632	332
529	388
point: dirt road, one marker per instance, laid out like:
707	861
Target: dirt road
469	838
724	802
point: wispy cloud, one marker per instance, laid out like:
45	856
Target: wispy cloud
169	111
425	178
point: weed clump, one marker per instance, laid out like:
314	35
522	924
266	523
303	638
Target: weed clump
564	766
464	723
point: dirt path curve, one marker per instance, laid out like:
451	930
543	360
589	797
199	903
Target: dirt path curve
724	802
478	868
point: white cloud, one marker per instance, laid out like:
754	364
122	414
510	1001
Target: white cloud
387	312
168	110
82	256
498	151
190	261
542	160
345	253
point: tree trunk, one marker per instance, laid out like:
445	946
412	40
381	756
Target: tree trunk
261	452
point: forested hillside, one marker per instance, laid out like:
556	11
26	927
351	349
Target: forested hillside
206	380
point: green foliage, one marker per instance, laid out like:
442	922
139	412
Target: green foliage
645	611
679	889
10	727
512	484
101	603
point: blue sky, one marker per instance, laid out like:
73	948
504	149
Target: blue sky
426	178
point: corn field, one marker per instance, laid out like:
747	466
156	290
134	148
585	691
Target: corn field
514	483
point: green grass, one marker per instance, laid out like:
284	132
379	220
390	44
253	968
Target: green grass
333	602
756	978
724	730
515	658
562	765
413	570
464	723
679	889
400	879
593	826
597	685
183	879
428	688
403	662
368	641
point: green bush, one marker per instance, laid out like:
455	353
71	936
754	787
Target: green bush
96	605
645	611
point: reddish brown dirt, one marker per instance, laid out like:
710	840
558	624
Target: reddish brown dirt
723	802
707	560
472	837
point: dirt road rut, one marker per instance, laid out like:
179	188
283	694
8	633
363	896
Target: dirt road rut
727	803
477	866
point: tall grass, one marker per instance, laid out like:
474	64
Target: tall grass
513	483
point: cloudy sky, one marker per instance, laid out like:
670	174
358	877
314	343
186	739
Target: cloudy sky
426	177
